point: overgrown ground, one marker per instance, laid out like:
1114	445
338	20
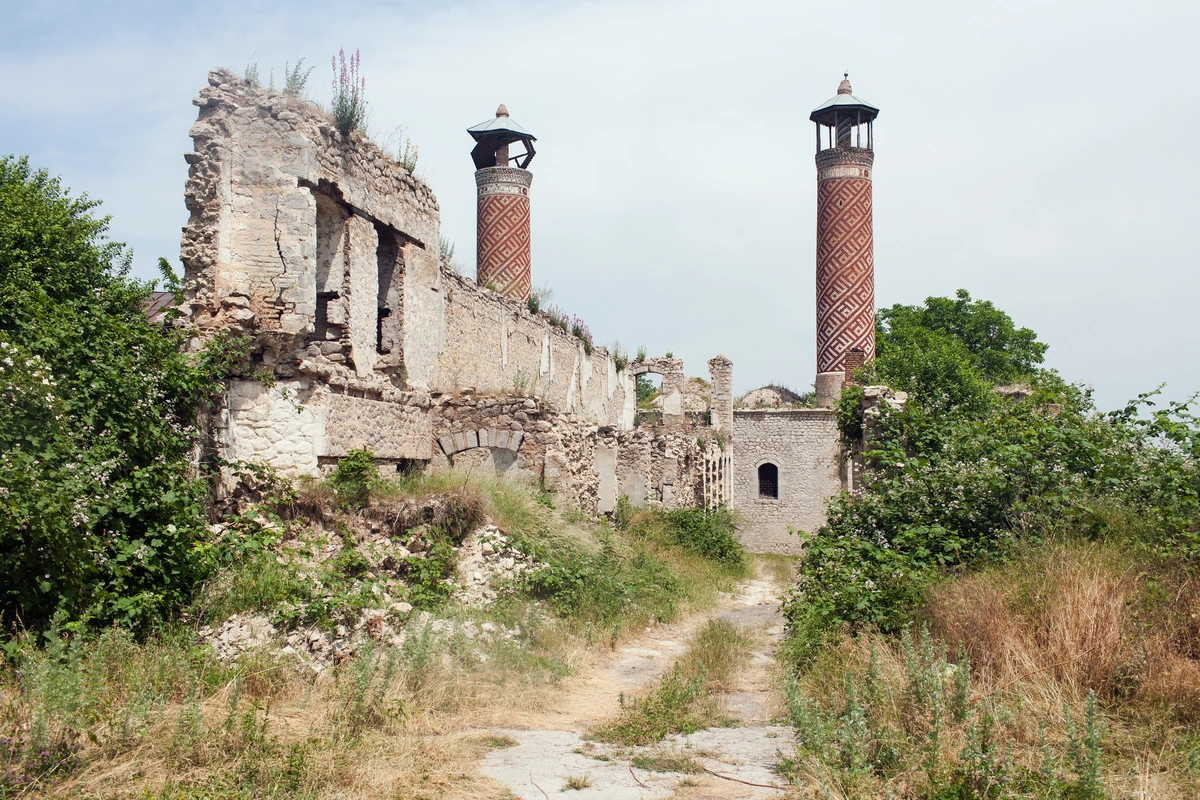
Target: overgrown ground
110	715
1069	671
1008	607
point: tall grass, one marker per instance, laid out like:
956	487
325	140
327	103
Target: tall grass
1070	671
112	716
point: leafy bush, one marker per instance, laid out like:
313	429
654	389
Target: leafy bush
354	478
101	514
605	586
708	533
960	474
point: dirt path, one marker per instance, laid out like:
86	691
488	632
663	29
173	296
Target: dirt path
550	748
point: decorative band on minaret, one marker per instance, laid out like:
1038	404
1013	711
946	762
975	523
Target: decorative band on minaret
502	241
845	239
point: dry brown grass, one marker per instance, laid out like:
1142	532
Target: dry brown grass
1039	632
1074	616
418	734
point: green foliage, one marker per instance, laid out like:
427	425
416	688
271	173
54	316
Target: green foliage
646	390
861	728
605	586
684	699
669	708
295	78
960	474
348	106
101	515
708	533
996	349
407	155
356	475
620	357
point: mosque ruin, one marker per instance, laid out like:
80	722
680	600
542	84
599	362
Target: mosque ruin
323	251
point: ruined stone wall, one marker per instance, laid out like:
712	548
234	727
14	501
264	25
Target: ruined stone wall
323	252
295	424
804	445
313	243
585	465
496	345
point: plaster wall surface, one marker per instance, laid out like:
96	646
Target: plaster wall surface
495	345
804	445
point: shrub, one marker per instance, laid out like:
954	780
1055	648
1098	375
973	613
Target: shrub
960	475
355	476
101	515
708	533
349	108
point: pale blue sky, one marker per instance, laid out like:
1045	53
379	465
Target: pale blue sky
1039	154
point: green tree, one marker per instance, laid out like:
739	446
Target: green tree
101	513
998	350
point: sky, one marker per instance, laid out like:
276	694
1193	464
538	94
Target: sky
1040	155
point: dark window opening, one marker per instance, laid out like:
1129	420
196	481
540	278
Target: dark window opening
768	481
389	268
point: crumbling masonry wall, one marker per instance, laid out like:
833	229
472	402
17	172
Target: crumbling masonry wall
805	447
321	251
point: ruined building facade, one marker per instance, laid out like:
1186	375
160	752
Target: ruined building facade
323	252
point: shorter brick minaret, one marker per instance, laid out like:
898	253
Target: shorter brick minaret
502	242
845	239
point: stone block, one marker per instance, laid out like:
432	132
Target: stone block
472	439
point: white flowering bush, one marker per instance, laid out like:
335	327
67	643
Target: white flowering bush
101	513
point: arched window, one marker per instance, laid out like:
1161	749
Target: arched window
768	481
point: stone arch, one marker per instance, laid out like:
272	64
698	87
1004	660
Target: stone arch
453	443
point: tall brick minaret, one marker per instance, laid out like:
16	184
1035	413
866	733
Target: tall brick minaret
502	243
845	242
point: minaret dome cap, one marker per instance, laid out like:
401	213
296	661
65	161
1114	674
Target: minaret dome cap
501	125
844	105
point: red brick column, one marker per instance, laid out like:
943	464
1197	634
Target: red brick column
502	243
845	265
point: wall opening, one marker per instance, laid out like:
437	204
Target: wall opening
768	481
648	386
329	318
389	267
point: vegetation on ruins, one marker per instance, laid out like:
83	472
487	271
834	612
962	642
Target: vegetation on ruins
996	611
84	711
348	106
295	78
120	572
101	517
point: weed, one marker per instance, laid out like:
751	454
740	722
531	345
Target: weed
576	783
684	700
354	478
348	106
295	78
667	762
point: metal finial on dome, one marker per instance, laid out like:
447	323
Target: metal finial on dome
502	111
844	86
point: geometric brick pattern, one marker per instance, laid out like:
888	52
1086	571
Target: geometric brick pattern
503	244
845	271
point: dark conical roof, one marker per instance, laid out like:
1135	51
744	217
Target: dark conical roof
842	102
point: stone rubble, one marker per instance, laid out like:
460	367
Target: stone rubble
486	559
